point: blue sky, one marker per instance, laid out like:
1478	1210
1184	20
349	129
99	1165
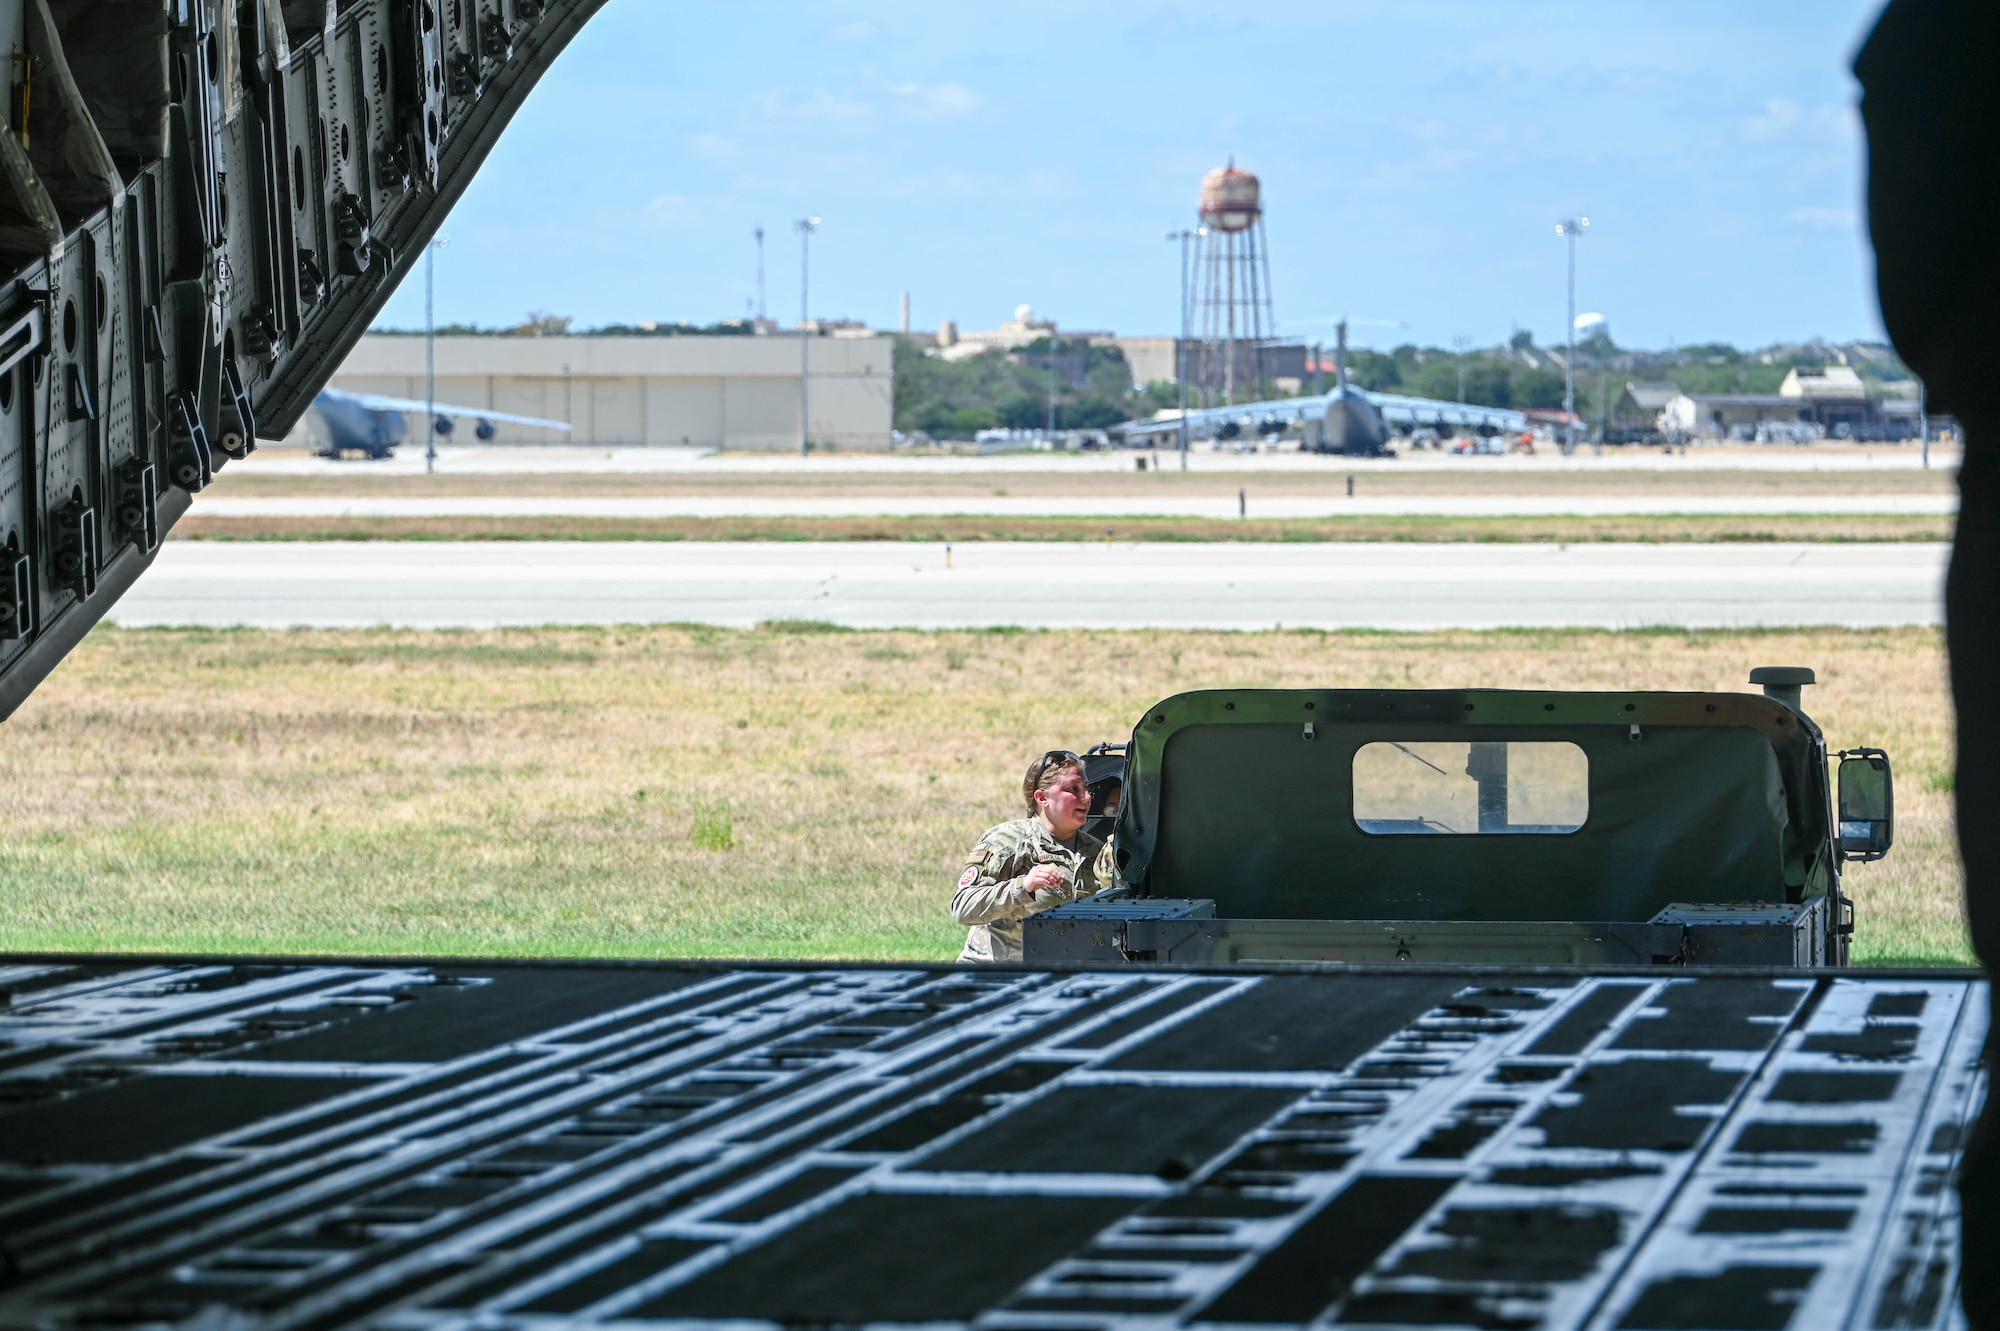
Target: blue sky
1415	156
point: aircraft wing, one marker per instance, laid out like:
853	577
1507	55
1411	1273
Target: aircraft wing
1397	409
1394	408
377	402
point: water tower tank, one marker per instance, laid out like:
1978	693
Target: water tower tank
1230	199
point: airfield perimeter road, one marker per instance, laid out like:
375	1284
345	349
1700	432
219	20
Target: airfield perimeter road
1036	585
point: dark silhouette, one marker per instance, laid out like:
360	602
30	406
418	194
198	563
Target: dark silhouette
1933	124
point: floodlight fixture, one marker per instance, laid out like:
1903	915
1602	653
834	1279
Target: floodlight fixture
805	226
1570	229
1180	348
430	365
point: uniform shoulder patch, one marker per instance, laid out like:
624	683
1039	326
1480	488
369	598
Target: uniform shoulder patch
970	876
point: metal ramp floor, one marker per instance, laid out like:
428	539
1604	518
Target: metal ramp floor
486	1145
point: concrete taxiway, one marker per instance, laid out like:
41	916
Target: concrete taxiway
575	459
1036	585
1105	506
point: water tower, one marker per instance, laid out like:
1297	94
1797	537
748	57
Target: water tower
1232	292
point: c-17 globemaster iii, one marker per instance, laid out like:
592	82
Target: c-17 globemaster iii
373	424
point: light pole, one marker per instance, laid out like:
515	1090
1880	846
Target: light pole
430	364
759	233
1570	228
1051	430
1180	350
1462	342
805	226
1924	422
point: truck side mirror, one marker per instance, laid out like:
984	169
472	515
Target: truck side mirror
1867	825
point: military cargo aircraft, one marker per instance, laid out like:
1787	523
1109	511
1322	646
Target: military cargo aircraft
372	425
1348	420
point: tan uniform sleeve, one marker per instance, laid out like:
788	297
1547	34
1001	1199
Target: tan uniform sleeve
1105	868
990	889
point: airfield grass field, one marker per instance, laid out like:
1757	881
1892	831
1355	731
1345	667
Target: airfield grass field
785	792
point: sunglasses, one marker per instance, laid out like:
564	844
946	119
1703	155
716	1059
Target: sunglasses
1053	758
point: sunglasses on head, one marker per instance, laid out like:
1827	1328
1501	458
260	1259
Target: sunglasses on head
1053	758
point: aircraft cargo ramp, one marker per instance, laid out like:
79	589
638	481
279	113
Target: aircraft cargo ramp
481	1144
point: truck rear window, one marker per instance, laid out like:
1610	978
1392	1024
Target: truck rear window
1431	787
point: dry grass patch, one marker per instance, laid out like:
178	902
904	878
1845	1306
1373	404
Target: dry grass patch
710	792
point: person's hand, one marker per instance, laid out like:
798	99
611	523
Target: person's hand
1045	876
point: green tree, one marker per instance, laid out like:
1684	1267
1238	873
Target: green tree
953	399
1373	370
1531	387
969	421
1488	384
1438	379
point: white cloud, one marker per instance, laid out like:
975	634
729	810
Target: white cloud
1830	219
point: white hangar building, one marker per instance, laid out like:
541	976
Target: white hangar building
637	391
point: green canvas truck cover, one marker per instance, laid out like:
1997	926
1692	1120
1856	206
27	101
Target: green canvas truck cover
1248	797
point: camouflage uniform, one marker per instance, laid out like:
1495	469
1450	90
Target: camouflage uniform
992	897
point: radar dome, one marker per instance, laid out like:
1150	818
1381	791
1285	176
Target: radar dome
1231	200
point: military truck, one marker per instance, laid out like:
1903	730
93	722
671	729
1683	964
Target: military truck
1481	825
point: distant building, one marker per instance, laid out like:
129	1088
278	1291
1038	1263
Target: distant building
698	392
1814	401
1152	360
836	328
1157	360
1640	405
1824	383
1718	416
1022	330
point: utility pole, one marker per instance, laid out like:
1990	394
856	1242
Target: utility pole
805	226
430	363
1924	421
1050	432
1462	342
1603	409
760	272
1180	349
1571	228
